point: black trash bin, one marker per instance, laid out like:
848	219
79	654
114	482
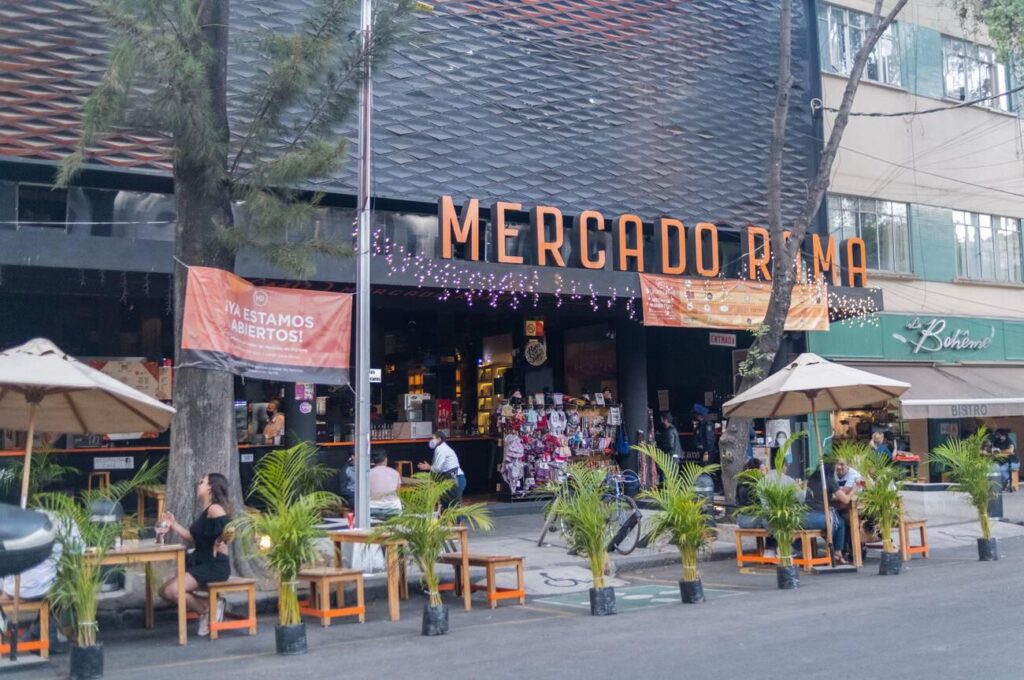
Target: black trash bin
995	499
705	488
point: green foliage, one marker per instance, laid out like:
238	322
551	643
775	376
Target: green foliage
880	498
45	471
286	484
682	515
970	469
424	528
777	501
84	544
1004	20
582	505
161	78
749	366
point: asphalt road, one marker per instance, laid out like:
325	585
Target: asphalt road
947	617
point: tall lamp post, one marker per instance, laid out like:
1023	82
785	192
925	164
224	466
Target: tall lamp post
362	378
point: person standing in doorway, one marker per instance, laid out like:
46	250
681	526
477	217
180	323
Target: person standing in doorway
667	438
446	464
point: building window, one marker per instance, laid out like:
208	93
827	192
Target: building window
42	206
987	248
972	72
842	32
882	225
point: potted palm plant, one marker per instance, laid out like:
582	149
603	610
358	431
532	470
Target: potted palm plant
79	577
970	469
879	500
423	526
778	501
682	515
284	532
582	507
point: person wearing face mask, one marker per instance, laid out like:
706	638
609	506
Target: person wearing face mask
275	421
446	464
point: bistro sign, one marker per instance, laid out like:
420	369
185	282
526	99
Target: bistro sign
551	239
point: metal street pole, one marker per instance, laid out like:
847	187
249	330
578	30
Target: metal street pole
362	381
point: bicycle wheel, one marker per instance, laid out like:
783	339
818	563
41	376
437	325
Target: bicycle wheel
624	508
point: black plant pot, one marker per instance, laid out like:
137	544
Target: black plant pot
988	551
435	619
891	564
290	640
692	592
602	601
787	578
87	662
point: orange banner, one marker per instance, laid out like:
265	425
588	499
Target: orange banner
265	332
726	303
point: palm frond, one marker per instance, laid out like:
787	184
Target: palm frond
970	469
581	505
424	530
776	501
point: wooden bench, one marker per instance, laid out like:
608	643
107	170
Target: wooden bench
761	535
38	607
102	480
233	585
807	538
321	581
491	563
906	548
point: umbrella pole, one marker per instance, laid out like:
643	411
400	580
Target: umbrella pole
824	483
26	471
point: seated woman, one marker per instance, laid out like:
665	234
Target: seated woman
879	444
384	485
209	561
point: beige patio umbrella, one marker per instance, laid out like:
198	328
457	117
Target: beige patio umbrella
810	384
42	388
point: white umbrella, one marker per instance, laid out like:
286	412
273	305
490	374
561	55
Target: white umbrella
43	388
810	384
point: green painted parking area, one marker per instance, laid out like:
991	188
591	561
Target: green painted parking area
634	597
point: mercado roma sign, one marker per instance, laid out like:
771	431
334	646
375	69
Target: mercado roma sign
675	249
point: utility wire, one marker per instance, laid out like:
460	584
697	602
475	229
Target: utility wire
818	105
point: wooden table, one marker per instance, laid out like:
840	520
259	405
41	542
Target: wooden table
147	553
391	556
157	492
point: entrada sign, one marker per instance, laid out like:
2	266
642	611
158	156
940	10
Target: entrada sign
933	337
677	249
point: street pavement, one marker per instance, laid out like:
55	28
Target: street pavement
946	617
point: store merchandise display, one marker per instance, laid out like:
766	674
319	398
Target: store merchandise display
540	440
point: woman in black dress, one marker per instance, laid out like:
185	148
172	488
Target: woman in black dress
209	561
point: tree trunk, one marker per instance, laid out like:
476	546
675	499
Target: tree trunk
733	444
203	436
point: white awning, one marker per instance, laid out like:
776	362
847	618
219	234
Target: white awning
956	390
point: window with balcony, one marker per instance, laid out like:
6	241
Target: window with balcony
882	224
988	248
842	32
972	72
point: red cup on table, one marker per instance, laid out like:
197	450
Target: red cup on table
351	517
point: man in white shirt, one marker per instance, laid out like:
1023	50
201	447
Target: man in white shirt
446	464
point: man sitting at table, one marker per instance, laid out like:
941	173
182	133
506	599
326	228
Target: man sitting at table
815	517
384	485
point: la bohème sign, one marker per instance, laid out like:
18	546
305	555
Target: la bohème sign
678	249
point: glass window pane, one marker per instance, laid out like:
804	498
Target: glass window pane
1013	254
869	232
954	68
987	253
1001	245
885	248
962	253
901	244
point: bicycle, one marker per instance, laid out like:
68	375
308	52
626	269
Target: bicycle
625	517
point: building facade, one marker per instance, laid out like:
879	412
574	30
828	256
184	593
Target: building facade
933	180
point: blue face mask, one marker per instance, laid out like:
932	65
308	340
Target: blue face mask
433	443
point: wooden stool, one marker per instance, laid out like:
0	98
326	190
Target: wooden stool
754	558
491	563
1015	480
321	581
102	480
401	465
232	585
42	609
808	542
908	550
157	492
